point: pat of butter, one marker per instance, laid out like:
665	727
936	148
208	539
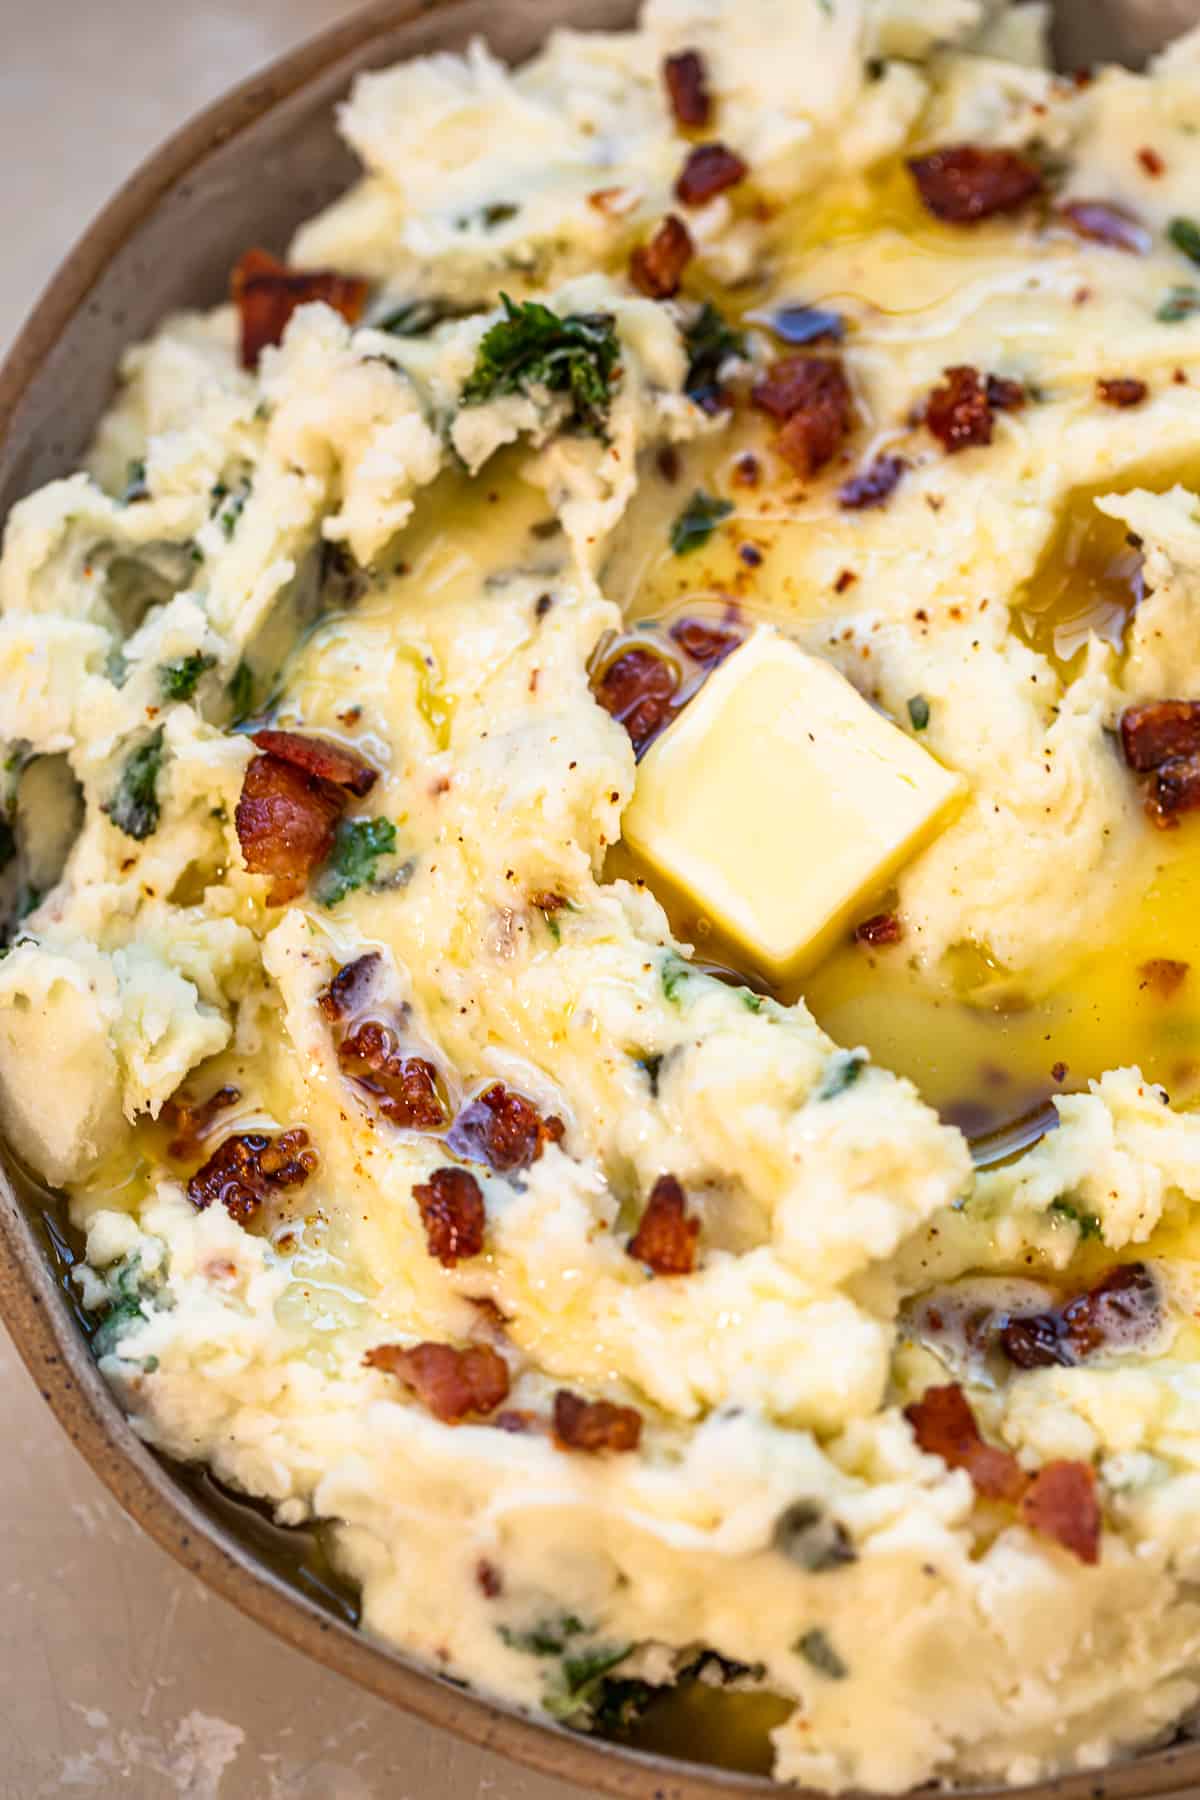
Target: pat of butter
781	802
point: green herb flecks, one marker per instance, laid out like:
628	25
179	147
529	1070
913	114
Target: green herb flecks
579	1682
1181	303
808	1537
135	484
356	849
709	341
673	973
697	522
918	712
129	1292
228	505
133	809
817	1650
1087	1223
532	347
241	692
549	1637
178	679
750	1000
841	1072
1185	235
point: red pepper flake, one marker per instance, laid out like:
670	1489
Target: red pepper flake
267	292
881	928
285	823
452	1212
317	756
452	1384
348	990
704	642
1100	222
709	170
246	1170
1163	976
503	1129
957	412
686	78
404	1087
1060	1503
872	486
1121	390
1156	730
665	1239
810	397
846	579
192	1119
656	268
487	1579
638	688
594	1426
1151	162
945	1426
964	183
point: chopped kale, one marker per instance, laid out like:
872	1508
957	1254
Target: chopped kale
133	809
548	1638
1088	1224
1185	235
581	1671
532	347
135	484
618	1704
696	523
816	1649
178	679
1181	303
674	973
241	692
918	712
807	1536
128	1291
709	339
715	1670
842	1071
356	849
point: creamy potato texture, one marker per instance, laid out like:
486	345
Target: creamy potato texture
958	1156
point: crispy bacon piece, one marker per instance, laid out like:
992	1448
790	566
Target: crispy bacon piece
872	486
1123	1306
1061	1503
1156	731
1163	975
944	1426
452	1384
245	1170
191	1119
285	823
656	268
811	396
703	642
957	412
880	928
503	1129
594	1425
1121	390
1151	162
665	1239
686	79
1174	789
317	756
349	989
405	1087
638	688
266	293
1101	222
964	183
452	1212
1004	394
708	171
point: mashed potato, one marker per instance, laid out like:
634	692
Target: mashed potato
627	1325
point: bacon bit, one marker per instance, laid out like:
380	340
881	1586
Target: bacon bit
1004	395
964	183
405	1087
1121	1307
594	1425
873	486
244	1171
638	689
656	268
881	928
708	171
316	756
665	1239
957	412
350	986
1154	731
1121	390
846	579
1102	223
686	80
704	643
503	1129
487	1579
1151	162
1060	1503
1175	789
266	293
809	395
945	1426
450	1383
452	1212
191	1119
285	823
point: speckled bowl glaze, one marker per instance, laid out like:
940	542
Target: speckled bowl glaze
247	171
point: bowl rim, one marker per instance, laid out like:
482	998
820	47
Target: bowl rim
40	1322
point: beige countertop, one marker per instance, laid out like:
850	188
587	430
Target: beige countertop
121	1675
